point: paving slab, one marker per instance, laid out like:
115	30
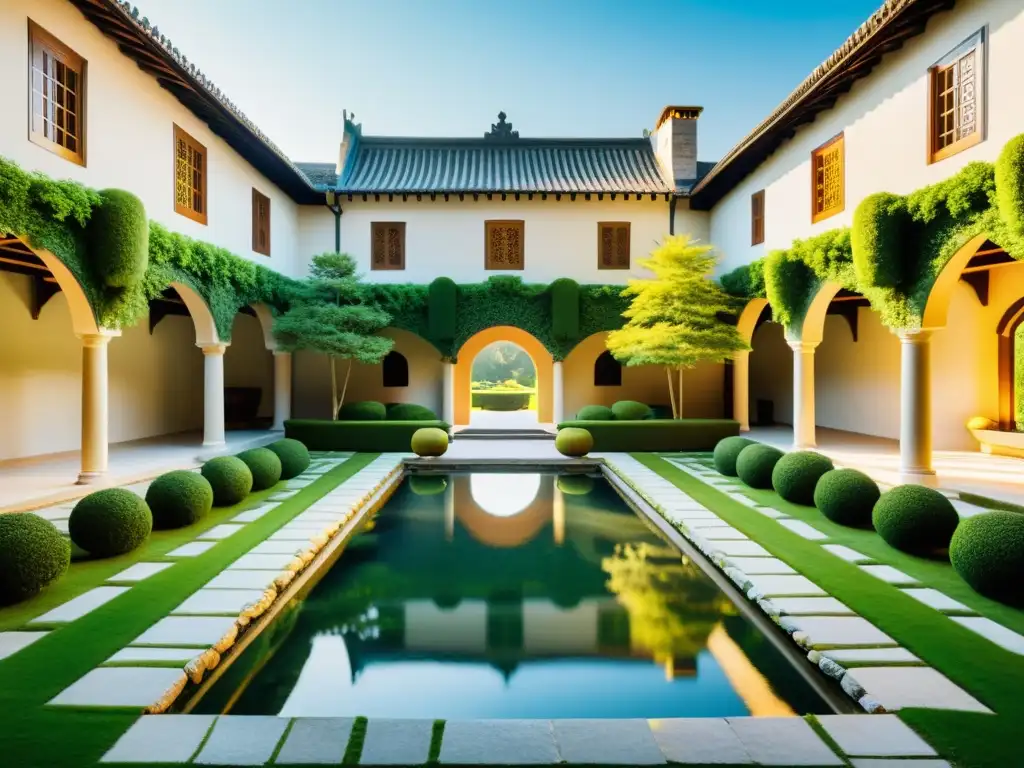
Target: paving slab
709	525
847	554
396	742
221	531
318	516
12	642
138	572
699	740
192	549
316	741
118	687
285	535
251	562
898	687
888	574
786	586
841	630
753	566
251	515
875	736
269	547
803	530
811	606
79	606
283	496
937	600
875	762
129	656
498	742
785	741
241	580
990	630
871	655
53	513
218	602
741	549
769	512
160	739
607	742
242	740
186	631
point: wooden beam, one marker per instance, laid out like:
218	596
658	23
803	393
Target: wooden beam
26	264
9	240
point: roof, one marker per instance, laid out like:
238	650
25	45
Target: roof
885	31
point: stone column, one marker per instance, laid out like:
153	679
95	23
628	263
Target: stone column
213	393
282	389
95	398
448	392
741	389
915	404
558	392
803	394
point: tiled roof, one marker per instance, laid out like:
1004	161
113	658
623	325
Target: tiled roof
321	176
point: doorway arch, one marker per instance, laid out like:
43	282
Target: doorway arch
542	361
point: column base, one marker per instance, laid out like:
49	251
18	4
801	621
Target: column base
919	477
744	429
804	446
214	443
277	428
90	478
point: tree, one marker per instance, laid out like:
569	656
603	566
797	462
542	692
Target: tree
327	315
674	319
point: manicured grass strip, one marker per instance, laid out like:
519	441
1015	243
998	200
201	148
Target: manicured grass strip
812	721
56	738
987	503
354	750
436	737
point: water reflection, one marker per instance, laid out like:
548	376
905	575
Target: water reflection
513	596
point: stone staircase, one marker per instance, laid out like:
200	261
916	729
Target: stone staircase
483	433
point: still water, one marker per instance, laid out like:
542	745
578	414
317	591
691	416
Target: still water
491	595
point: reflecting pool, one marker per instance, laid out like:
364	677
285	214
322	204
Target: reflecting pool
491	595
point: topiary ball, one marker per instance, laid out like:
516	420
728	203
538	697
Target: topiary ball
427	485
796	474
727	451
595	413
294	457
915	519
179	498
230	479
631	410
367	410
429	442
410	412
987	551
575	485
264	465
110	522
574	442
33	555
755	463
846	496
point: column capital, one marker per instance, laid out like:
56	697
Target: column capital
281	352
802	346
913	335
100	339
216	348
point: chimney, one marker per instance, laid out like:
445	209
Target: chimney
675	143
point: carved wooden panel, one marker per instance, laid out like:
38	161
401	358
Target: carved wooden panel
387	245
613	245
504	244
827	180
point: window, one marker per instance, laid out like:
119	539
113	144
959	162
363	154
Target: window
189	177
955	100
260	223
57	86
607	371
503	244
827	194
387	245
613	245
396	370
757	218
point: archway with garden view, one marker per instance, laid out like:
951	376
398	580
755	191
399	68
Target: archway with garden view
503	387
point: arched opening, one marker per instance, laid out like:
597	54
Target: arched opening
770	365
503	387
249	373
607	371
1011	367
395	370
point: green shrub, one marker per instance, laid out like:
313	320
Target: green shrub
110	522
595	413
118	235
565	309
915	519
847	497
230	479
442	309
987	551
501	401
631	410
429	442
1010	184
651	435
427	485
264	465
293	454
179	498
727	451
746	281
575	485
33	555
573	441
881	226
365	410
755	464
368	436
410	412
796	474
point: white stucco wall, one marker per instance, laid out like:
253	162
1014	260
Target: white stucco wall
129	136
885	121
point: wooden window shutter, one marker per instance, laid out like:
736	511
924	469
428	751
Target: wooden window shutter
387	246
260	223
757	218
828	180
503	244
613	245
955	112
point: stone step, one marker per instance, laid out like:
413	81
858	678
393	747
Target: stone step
503	434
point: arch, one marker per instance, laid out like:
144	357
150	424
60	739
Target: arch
1006	330
747	322
199	311
607	371
542	361
266	318
936	309
83	319
395	370
812	330
496	531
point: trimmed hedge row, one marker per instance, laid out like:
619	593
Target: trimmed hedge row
501	401
370	436
371	410
657	435
623	410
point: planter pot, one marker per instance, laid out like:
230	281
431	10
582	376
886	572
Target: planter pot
1000	443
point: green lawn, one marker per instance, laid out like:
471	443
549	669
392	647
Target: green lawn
991	674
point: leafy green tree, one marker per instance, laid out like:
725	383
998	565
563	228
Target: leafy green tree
327	315
675	318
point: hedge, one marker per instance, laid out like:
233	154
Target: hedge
369	436
118	236
365	410
501	401
179	498
110	522
294	457
595	413
565	309
410	412
656	435
631	410
33	555
442	309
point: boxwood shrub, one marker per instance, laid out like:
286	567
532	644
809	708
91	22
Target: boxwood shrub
915	519
410	412
230	479
110	522
847	497
33	555
595	413
755	464
727	451
264	465
573	442
429	442
179	498
293	454
796	474
987	551
366	410
631	410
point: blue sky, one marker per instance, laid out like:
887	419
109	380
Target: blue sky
557	67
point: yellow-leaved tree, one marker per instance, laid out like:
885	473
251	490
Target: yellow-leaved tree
675	318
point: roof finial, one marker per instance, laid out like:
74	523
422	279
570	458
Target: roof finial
501	129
